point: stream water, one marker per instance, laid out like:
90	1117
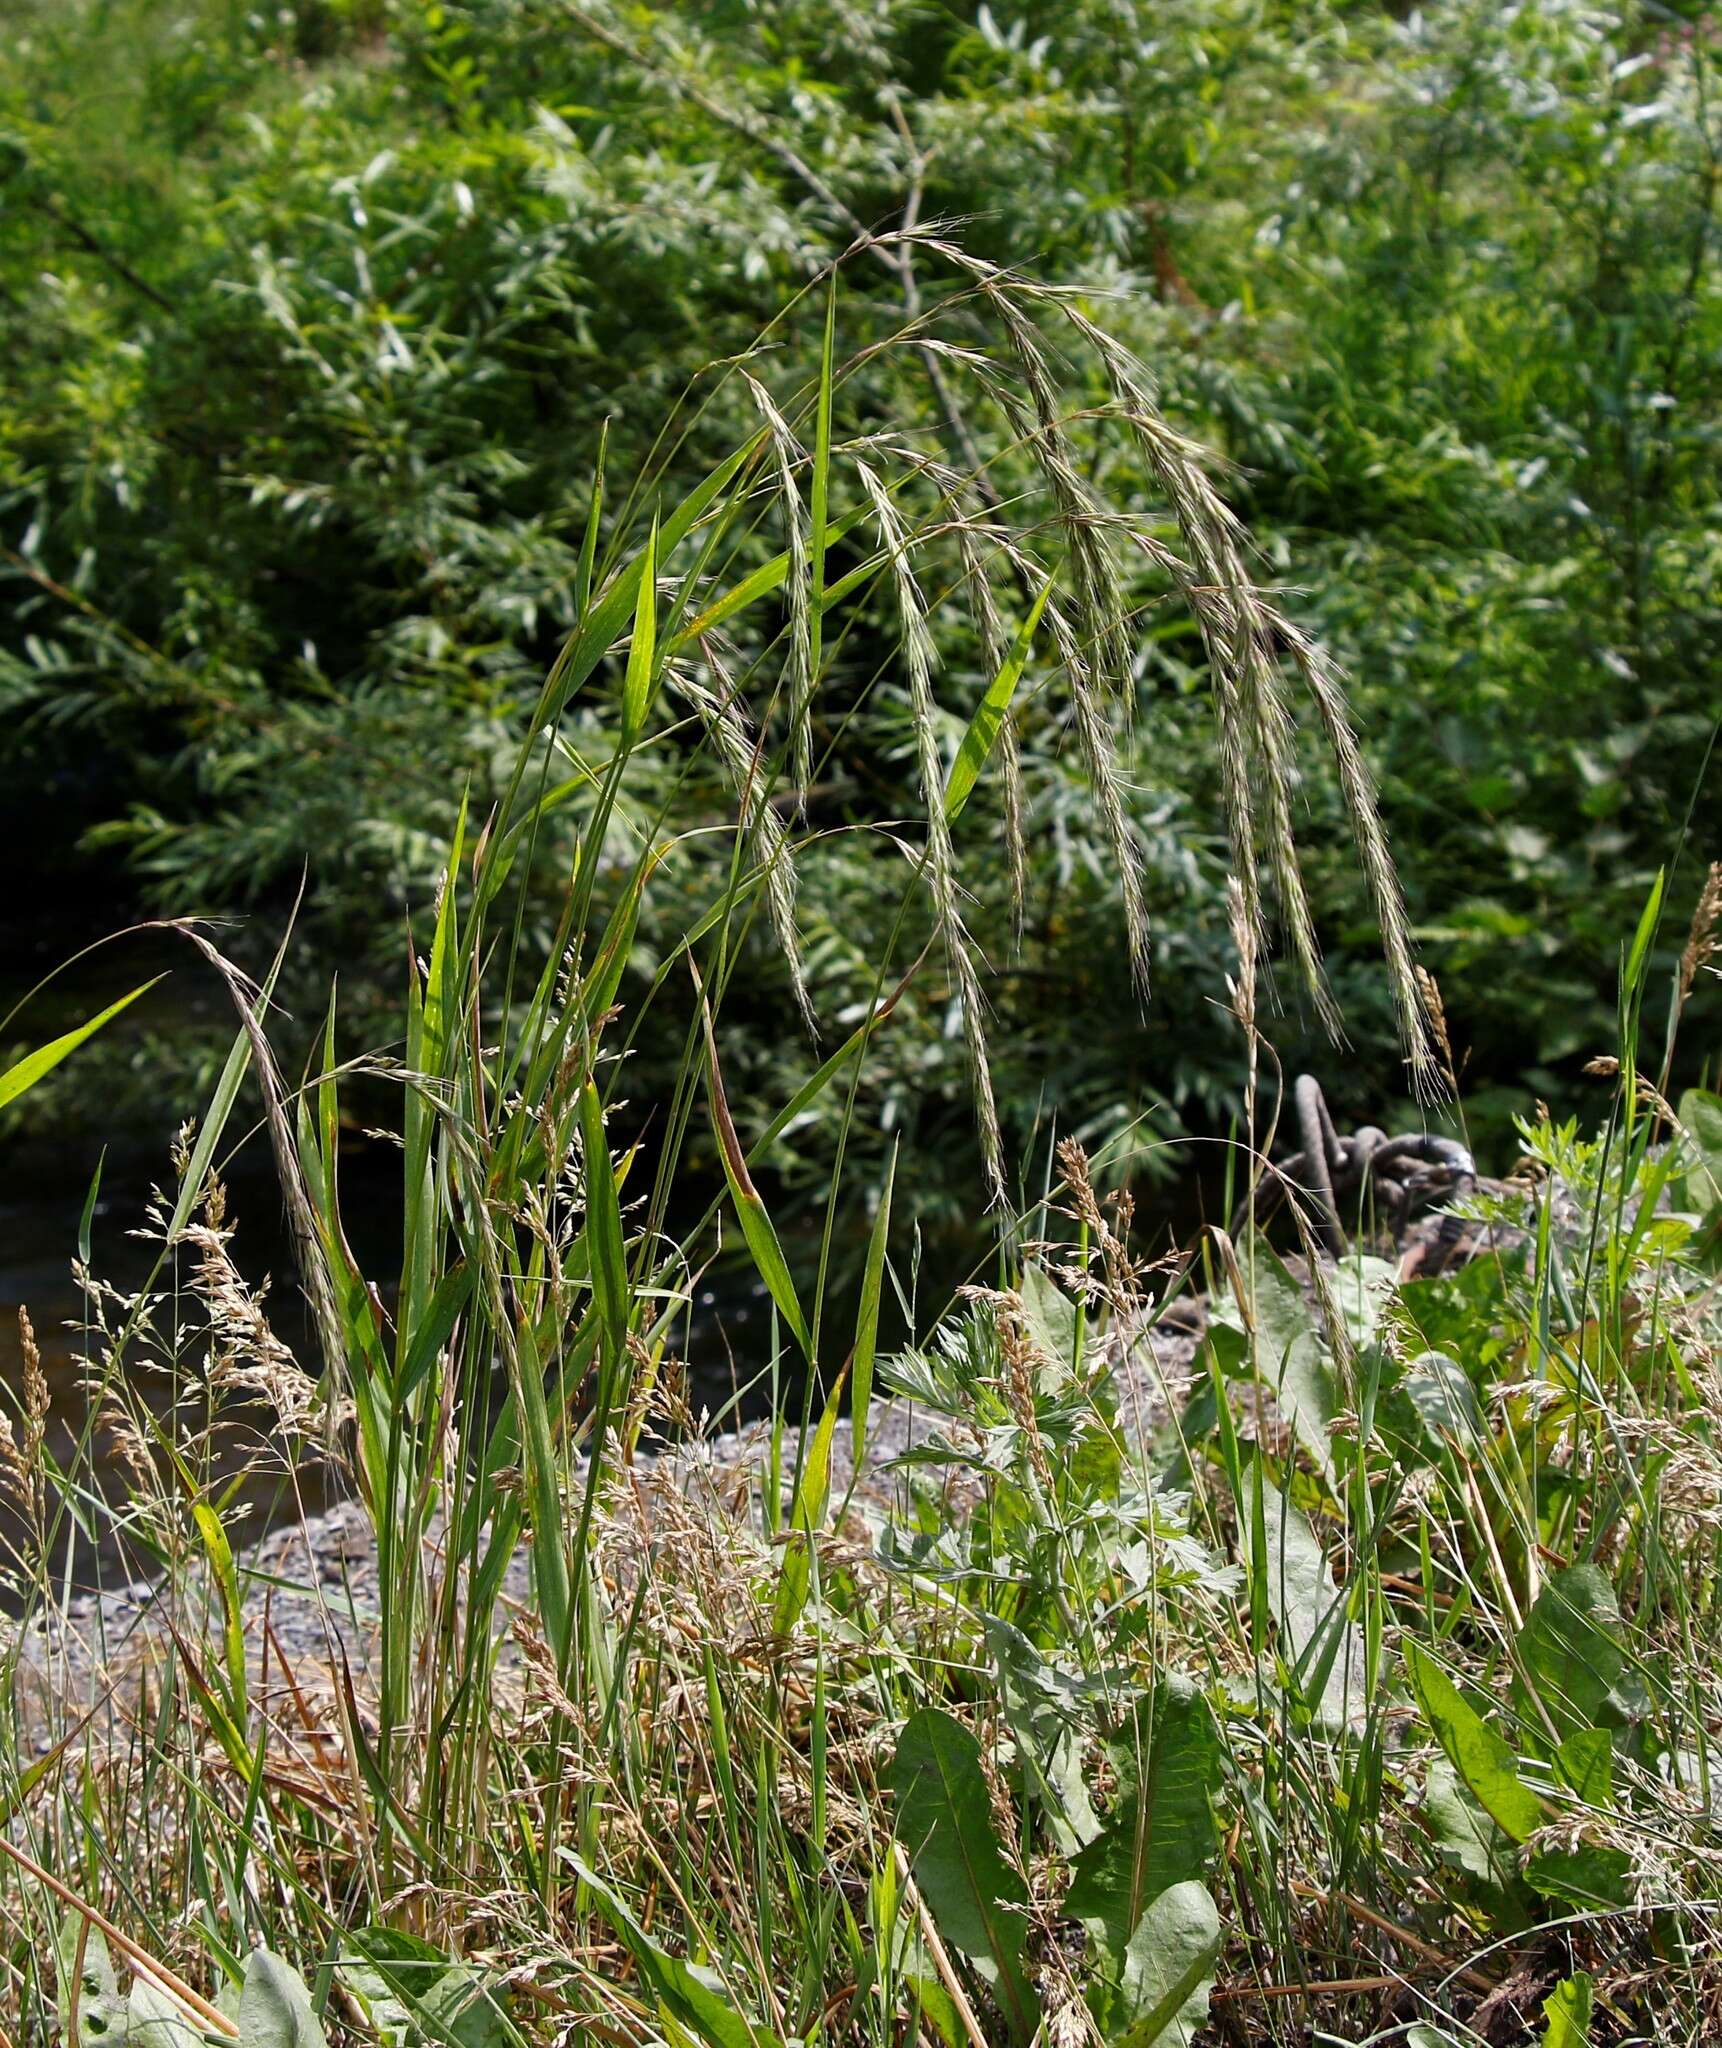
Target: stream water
53	1176
41	1209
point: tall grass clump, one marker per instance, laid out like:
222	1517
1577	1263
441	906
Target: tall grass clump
1346	1674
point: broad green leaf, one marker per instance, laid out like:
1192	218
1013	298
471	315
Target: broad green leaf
1051	1320
84	1958
1584	1763
944	1820
1291	1355
1169	1970
867	1318
1046	1712
1570	1652
444	2003
1160	1831
1463	1832
984	728
25	1073
275	2008
154	2020
1590	1878
1363	1290
1488	1767
1322	1650
1567	2010
380	2007
1443	1399
1701	1118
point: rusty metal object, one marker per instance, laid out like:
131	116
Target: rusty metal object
1401	1175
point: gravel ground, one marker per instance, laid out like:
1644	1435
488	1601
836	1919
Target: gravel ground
316	1581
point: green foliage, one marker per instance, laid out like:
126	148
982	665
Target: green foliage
943	1818
1366	1645
1168	1970
1567	2010
26	1073
1482	1759
1570	1652
1112	1709
274	2009
91	2009
314	319
1161	1831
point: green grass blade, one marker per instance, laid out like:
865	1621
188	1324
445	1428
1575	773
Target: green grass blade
642	653
219	1110
594	515
86	1220
219	1551
440	1005
806	1515
867	1318
984	727
592	639
604	1238
1641	938
30	1069
756	1226
818	510
544	1498
761	582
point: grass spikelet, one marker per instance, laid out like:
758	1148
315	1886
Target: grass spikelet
249	1000
1094	732
971	533
21	1457
1244	632
723	714
798	678
1704	936
919	657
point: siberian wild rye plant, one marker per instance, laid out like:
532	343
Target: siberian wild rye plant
1353	1667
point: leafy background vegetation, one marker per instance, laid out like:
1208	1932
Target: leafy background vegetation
313	318
655	523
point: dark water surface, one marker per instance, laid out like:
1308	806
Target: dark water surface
123	1152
